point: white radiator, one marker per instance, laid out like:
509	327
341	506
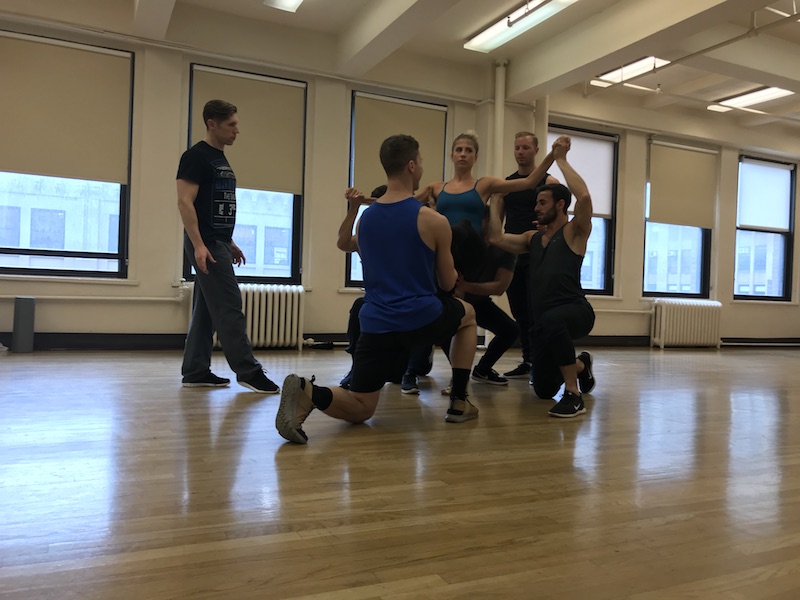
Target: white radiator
685	322
274	315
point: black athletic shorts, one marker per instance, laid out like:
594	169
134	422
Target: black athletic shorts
377	354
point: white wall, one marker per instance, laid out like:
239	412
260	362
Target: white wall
152	300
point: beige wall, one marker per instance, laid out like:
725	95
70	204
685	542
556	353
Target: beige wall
153	299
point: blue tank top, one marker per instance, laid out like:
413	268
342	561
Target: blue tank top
399	274
465	205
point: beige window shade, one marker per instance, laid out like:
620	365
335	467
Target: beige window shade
377	118
268	153
683	186
67	109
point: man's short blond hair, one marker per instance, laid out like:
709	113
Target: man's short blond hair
520	134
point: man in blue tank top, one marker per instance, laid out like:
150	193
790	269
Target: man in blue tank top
405	250
560	312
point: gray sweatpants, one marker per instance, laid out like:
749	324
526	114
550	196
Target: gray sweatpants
217	306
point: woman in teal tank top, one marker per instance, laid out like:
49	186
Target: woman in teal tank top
464	197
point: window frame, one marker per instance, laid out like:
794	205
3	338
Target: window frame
122	255
705	267
298	203
788	235
611	221
349	282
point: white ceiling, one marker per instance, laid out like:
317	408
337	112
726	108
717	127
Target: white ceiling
695	34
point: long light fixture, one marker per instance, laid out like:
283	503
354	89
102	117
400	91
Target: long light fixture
518	22
742	101
629	71
287	5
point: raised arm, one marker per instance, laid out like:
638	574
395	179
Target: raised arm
346	241
495	185
582	213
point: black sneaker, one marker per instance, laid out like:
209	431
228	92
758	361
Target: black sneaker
208	380
586	377
460	411
569	406
260	383
409	385
490	377
522	371
295	406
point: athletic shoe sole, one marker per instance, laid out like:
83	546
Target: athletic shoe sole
253	388
487	380
569	416
287	412
211	385
409	391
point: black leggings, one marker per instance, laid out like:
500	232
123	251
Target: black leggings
552	344
493	318
518	294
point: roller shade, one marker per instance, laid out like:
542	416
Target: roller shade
268	152
68	109
683	185
594	157
378	117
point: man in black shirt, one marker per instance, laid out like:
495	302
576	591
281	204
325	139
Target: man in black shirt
559	310
207	203
518	209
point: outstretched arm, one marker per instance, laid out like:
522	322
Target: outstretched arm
496	287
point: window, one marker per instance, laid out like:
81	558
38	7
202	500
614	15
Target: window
594	156
374	118
64	212
680	207
54	224
764	229
269	193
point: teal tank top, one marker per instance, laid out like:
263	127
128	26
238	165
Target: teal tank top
465	205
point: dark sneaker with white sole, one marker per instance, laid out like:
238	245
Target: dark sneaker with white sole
208	380
260	383
294	408
490	377
569	406
586	377
522	371
410	383
460	411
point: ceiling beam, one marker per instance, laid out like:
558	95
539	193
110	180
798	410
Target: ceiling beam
151	18
625	32
761	59
383	28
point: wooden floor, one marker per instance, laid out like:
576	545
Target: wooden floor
682	481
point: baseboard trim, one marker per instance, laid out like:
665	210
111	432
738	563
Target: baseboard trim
761	341
103	341
175	341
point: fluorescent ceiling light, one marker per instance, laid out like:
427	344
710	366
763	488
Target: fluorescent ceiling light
518	22
287	5
718	108
634	69
600	83
756	97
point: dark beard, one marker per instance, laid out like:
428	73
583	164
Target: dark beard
547	217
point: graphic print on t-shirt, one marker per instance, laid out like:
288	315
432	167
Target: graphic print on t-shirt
224	196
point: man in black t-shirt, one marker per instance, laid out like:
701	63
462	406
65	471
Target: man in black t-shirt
207	204
559	309
518	208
